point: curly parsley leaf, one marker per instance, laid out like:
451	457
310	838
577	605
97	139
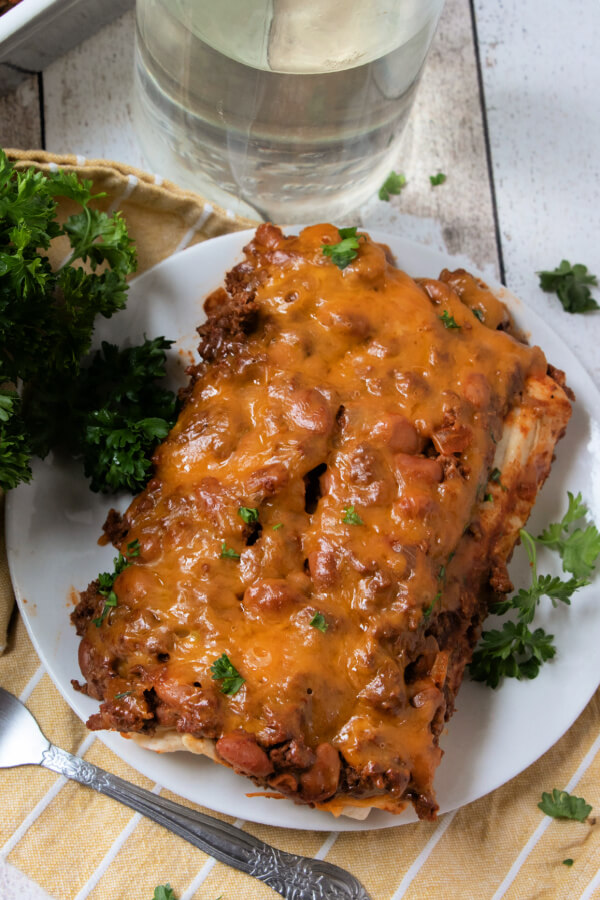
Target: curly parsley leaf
318	621
164	892
223	670
47	314
351	517
345	250
570	284
437	179
562	805
513	651
448	320
111	415
393	184
578	549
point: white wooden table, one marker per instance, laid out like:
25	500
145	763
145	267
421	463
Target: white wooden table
508	108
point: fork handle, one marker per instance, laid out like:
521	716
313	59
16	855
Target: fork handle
294	877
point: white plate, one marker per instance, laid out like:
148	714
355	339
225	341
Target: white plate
53	525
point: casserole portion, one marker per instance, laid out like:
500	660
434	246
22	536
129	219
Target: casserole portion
328	524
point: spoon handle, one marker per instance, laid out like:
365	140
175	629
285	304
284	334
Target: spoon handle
294	877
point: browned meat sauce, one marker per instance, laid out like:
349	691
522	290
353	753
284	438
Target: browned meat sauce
340	406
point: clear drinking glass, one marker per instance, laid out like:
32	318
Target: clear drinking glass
289	109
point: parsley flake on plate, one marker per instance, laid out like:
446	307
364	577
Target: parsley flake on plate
437	179
570	284
568	862
562	805
318	621
345	250
223	670
393	184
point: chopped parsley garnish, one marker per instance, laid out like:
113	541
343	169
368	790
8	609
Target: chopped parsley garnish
515	651
223	670
164	892
487	498
568	862
427	612
351	517
228	553
345	250
277	526
123	694
570	284
106	580
477	313
495	476
393	184
562	805
437	179
318	621
448	320
248	513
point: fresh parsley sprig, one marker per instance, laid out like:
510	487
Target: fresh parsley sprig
516	651
562	805
15	449
345	250
111	415
223	670
571	286
578	549
106	580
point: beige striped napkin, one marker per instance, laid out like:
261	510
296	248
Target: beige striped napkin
76	844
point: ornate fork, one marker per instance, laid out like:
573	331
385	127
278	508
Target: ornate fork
294	877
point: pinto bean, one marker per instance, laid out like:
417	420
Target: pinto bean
421	467
400	435
476	390
271	595
310	410
348	321
455	439
321	780
267	481
242	752
323	567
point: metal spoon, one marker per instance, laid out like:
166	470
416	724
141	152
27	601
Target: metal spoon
294	877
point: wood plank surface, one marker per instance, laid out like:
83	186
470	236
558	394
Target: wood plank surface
541	73
88	97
